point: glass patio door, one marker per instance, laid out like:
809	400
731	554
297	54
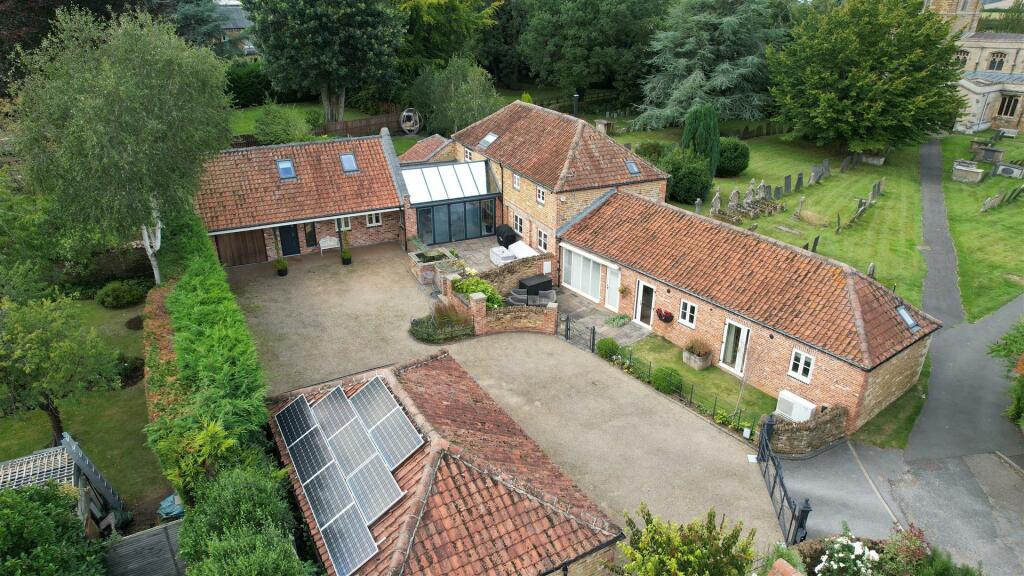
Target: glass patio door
734	347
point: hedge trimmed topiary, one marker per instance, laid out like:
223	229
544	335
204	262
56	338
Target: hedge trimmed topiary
734	157
690	177
607	348
667	379
122	294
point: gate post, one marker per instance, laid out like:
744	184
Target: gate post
593	337
566	326
800	534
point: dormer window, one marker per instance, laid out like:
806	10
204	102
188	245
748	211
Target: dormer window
285	169
908	319
348	163
488	140
632	167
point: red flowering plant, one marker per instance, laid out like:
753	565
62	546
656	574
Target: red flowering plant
664	315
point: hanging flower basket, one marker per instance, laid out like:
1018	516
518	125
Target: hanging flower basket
664	315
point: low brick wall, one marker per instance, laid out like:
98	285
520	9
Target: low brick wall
543	320
426	272
505	278
802	437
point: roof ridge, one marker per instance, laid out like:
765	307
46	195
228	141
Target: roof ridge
407	534
301	144
545	499
394	166
570	157
858	315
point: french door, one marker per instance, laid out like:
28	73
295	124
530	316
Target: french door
734	347
611	290
644	309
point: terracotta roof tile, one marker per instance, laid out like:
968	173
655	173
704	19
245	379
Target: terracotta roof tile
424	150
557	151
816	300
481	497
241	188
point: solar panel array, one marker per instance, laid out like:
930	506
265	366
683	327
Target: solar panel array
344	450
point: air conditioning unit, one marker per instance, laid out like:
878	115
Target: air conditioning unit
1010	170
794	408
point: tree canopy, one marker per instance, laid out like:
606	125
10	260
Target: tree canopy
497	49
200	23
40	534
700	134
455	96
46	356
579	44
328	47
115	120
439	29
870	74
713	51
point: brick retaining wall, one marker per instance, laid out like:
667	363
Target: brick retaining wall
543	320
820	431
506	277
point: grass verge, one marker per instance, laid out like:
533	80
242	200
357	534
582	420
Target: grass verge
243	120
891	427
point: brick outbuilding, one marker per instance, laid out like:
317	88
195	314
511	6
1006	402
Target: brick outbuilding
775	316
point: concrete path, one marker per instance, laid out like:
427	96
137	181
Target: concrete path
620	440
949	481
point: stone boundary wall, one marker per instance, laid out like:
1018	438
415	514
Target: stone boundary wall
823	429
505	278
543	320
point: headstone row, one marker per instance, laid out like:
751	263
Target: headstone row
1003	198
850	162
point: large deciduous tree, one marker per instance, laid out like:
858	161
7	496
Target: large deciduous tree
46	356
579	44
713	51
115	121
455	96
870	74
497	47
439	29
328	47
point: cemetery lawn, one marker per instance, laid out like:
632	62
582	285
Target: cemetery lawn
108	424
708	384
891	427
243	120
990	261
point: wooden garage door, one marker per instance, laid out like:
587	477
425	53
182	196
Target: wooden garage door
241	248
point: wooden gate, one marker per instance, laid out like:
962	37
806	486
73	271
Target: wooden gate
240	248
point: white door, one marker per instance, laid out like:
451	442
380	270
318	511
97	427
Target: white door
643	311
611	291
734	347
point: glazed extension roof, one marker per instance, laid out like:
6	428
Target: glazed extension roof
555	150
241	188
480	496
821	302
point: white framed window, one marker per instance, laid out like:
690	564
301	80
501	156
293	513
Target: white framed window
467	155
688	314
996	60
800	366
346	223
541	193
373	219
542	240
515	181
517	224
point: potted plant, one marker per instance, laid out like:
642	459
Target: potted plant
697	354
282	266
665	315
346	257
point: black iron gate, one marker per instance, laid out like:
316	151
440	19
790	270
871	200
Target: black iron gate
792	518
577	333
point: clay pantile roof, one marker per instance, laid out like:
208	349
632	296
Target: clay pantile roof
241	188
821	302
424	150
481	497
555	150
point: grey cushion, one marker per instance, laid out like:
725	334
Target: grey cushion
517	300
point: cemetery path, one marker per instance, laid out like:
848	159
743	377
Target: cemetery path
941	286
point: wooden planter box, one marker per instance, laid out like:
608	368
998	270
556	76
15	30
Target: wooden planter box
696	362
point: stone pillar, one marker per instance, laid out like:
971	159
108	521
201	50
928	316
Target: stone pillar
551	319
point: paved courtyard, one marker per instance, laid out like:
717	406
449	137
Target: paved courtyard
621	441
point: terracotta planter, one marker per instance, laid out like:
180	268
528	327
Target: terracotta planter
696	362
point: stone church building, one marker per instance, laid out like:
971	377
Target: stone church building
993	80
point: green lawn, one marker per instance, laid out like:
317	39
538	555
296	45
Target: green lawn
990	258
108	425
708	384
403	143
891	427
537	93
243	120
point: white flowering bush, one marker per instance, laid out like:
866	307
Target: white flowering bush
845	556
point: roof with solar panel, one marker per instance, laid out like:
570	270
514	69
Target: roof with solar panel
416	470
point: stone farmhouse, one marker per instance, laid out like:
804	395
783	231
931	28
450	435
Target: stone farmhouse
472	493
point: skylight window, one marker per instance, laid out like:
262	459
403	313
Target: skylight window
632	167
488	140
285	169
348	162
908	319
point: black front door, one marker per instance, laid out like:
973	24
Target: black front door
289	239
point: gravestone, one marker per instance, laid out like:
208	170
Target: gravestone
749	198
789	183
799	208
799	181
814	246
844	165
761	190
825	171
716	202
697	205
734	199
778	193
753	183
815	176
871	270
881	186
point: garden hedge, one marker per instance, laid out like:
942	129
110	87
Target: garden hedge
734	157
607	348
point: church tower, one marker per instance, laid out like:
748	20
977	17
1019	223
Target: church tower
962	14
